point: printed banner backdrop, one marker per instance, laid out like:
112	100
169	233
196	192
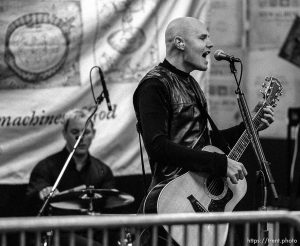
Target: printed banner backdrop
226	22
227	32
270	22
270	27
47	51
223	106
287	74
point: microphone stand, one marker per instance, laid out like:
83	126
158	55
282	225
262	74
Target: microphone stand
264	165
54	187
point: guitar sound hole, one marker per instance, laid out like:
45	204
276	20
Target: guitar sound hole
215	185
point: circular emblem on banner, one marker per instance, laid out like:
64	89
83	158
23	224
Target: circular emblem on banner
36	46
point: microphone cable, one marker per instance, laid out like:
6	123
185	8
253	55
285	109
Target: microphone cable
91	84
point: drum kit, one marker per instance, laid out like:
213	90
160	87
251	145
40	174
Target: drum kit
88	201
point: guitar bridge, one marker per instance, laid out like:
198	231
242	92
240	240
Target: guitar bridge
196	204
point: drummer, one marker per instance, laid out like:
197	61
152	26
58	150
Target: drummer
83	168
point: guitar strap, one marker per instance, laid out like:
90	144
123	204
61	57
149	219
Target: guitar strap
139	130
217	135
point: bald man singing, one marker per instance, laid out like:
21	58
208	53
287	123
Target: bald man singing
171	112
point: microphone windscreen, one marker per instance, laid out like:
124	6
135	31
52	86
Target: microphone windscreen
218	54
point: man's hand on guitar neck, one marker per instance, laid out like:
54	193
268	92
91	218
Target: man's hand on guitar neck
267	118
235	171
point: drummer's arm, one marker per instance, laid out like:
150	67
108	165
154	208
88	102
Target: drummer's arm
40	184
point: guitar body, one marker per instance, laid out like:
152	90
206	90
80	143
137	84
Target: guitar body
197	192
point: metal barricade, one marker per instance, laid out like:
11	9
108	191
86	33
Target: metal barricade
283	228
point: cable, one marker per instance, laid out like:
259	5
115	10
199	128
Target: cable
241	73
91	84
233	70
295	154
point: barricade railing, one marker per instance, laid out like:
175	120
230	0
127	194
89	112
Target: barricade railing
245	228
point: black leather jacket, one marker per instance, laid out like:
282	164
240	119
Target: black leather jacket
183	125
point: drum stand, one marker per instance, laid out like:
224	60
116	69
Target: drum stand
92	196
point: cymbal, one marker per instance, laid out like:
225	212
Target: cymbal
90	199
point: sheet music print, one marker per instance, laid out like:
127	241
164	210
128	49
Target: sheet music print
124	48
42	44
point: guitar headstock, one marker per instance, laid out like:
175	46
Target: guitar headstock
272	89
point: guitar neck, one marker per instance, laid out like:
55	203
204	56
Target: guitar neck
240	146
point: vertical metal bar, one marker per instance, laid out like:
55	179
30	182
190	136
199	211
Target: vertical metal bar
136	238
122	236
22	238
216	232
105	237
90	235
276	233
231	235
259	233
215	235
200	234
292	234
154	235
38	238
72	238
3	239
169	235
247	238
56	237
185	235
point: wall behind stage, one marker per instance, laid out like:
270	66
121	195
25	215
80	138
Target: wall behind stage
47	51
49	47
254	31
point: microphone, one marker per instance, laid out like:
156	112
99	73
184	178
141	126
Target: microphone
221	55
105	91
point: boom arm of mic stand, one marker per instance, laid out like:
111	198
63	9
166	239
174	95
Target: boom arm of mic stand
54	187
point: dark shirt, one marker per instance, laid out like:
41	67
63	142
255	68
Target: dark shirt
94	173
152	107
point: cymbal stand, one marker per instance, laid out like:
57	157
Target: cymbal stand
91	198
264	165
49	234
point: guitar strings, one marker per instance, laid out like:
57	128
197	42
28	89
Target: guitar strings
235	155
